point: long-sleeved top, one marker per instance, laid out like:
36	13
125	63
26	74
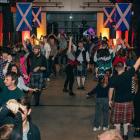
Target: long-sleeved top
103	59
35	61
47	50
21	85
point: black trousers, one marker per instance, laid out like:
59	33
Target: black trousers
37	97
69	77
137	110
52	65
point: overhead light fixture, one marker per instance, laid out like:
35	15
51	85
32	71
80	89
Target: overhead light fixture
70	17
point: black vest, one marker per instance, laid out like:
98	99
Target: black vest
83	54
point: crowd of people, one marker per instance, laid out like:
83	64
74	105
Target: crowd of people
25	68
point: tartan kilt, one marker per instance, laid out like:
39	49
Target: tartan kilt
122	112
36	80
82	71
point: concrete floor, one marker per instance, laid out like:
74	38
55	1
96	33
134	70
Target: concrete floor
63	117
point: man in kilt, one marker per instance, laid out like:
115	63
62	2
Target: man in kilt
121	98
82	58
37	66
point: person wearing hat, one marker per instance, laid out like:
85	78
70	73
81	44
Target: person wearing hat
121	98
37	67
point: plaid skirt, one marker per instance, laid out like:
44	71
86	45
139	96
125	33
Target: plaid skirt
36	80
81	70
122	112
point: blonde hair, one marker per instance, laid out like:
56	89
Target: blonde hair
113	134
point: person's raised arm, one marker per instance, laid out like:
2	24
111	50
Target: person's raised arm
70	44
127	44
137	64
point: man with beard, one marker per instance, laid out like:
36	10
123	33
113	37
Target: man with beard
37	65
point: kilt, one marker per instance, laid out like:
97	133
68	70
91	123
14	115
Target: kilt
122	112
36	80
81	70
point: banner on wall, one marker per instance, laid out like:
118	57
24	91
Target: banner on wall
24	16
123	16
109	16
36	12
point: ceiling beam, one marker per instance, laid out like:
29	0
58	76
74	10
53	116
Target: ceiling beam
96	4
48	4
42	2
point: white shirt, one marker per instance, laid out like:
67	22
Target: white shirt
21	85
47	48
80	57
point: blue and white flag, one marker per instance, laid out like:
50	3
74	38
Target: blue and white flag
109	16
123	16
24	16
36	12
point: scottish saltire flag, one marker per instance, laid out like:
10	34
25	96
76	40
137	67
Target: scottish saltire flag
36	12
24	16
109	16
123	16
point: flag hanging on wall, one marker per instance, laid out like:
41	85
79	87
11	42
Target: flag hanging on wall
123	16
24	16
109	16
36	12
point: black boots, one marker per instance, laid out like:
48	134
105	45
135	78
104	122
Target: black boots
125	137
65	90
71	93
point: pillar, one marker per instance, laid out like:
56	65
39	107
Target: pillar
100	27
7	24
42	29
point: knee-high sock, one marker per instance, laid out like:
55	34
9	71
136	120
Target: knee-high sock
83	81
125	127
78	81
118	127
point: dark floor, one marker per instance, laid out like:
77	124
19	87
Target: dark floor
61	117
